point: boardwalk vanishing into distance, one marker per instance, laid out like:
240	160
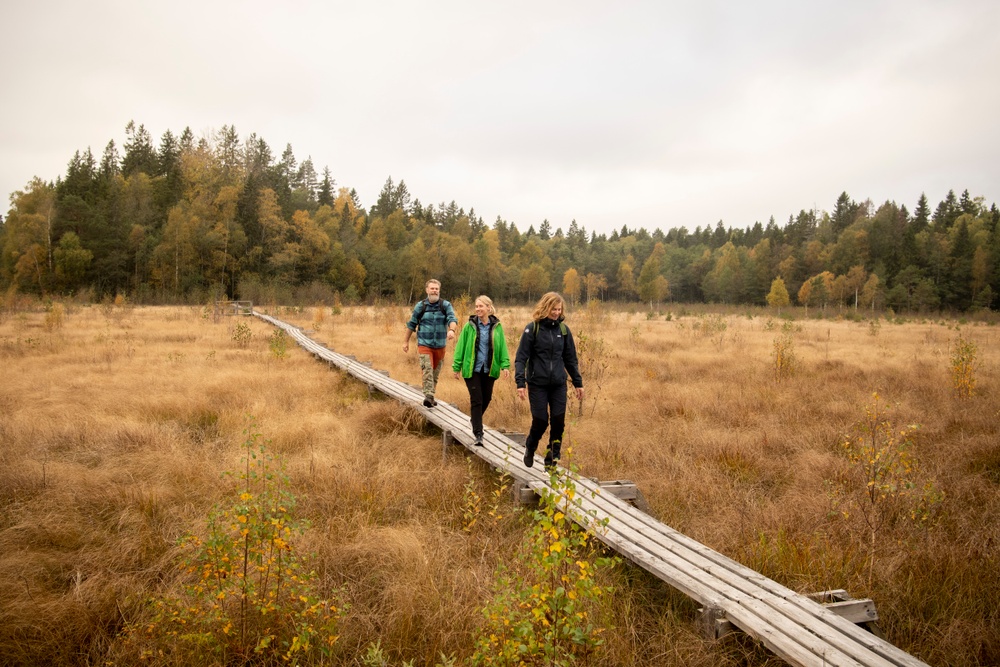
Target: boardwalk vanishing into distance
799	629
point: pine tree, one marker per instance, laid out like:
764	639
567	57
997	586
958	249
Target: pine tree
947	212
325	195
139	153
545	230
843	215
385	203
187	140
719	237
168	160
282	180
308	184
257	158
968	204
110	163
958	292
921	215
229	154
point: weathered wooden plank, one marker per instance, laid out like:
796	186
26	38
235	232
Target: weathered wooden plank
788	603
784	603
622	489
855	611
859	612
810	615
758	614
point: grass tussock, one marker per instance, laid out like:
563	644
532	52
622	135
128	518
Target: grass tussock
118	425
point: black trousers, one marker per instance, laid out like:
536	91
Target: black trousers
546	401
480	387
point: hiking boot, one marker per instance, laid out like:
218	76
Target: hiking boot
429	402
479	440
529	458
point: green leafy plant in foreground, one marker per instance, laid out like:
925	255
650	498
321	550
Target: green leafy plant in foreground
248	597
963	367
881	482
543	615
473	501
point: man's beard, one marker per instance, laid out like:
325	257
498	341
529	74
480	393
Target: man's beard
433	297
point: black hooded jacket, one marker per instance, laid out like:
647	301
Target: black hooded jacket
546	355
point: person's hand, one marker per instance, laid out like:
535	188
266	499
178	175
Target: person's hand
457	376
406	347
451	334
506	373
522	393
579	393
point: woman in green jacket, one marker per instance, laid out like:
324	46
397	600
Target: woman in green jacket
480	356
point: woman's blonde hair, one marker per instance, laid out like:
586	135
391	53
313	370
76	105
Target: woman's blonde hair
545	305
488	301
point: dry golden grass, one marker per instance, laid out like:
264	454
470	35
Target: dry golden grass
116	424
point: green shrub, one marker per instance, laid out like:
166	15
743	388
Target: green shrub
881	482
247	597
963	367
543	615
278	343
241	334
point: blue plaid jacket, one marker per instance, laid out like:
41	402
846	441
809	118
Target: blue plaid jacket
430	321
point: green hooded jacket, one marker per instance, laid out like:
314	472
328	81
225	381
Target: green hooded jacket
468	340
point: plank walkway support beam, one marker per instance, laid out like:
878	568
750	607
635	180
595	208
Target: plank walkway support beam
446	441
625	489
799	630
860	612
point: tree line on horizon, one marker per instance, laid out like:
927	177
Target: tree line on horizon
222	216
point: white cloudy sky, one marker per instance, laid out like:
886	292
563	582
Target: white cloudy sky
652	114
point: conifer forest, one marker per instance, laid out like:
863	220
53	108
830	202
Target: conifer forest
183	220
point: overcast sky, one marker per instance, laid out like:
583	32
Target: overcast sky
649	114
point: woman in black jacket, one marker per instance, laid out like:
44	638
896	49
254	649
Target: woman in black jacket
546	356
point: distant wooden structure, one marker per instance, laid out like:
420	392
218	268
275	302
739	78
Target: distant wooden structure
225	308
823	630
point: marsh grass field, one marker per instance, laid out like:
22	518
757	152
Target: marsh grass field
744	429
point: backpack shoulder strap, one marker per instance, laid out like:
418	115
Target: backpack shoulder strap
562	329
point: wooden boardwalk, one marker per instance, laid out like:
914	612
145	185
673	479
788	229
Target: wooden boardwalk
798	629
